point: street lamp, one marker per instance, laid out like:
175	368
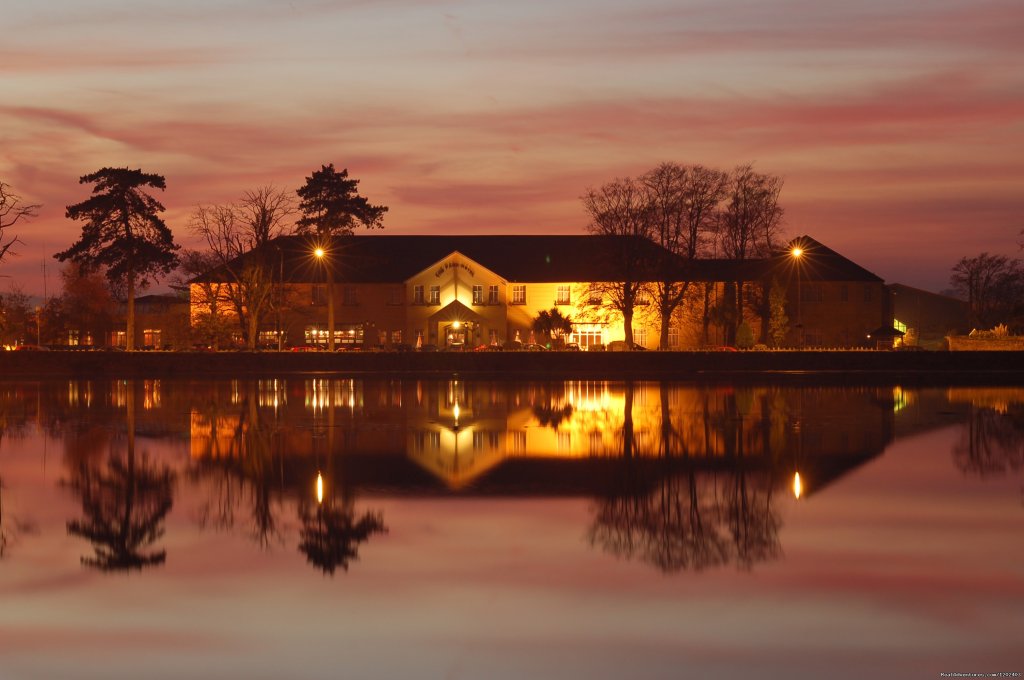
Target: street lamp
320	254
797	253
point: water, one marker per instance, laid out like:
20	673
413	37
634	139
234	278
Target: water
321	528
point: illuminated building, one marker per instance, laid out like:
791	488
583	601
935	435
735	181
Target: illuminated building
471	291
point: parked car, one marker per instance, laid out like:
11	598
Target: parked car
534	347
620	346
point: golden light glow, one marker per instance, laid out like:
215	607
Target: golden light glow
455	411
319	252
798	487
797	251
319	488
456	325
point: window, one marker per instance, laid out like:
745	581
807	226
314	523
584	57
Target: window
868	293
673	336
396	337
72	338
493	337
348	334
562	295
640	336
519	295
435	295
348	295
594	297
396	294
586	335
319	295
478	295
811	293
492	295
417	295
151	337
267	338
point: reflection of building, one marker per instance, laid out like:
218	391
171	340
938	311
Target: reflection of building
555	438
487	290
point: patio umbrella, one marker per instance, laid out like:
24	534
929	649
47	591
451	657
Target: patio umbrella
518	339
533	340
419	341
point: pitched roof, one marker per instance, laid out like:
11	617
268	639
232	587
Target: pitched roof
523	258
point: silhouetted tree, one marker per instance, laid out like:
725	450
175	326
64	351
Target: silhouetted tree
16	317
993	286
123	232
331	206
12	211
241	268
749	226
684	201
552	325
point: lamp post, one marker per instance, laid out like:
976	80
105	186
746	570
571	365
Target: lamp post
797	253
320	254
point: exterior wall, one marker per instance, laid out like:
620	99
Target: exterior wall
929	318
829	314
836	313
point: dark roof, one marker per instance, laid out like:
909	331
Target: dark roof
395	259
522	258
820	263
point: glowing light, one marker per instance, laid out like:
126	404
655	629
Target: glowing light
798	487
319	252
457	325
455	412
319	488
797	251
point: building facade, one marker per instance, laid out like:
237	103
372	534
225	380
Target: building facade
473	291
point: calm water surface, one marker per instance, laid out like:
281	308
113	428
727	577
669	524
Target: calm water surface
326	528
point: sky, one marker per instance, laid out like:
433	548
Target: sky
898	126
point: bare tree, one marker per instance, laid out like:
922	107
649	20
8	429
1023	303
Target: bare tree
12	211
683	201
237	235
620	211
750	226
992	285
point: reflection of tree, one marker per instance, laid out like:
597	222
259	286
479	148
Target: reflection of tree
331	533
682	522
549	415
124	507
993	441
245	470
124	504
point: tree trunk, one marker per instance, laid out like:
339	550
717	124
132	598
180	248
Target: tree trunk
253	332
130	331
666	319
330	307
627	328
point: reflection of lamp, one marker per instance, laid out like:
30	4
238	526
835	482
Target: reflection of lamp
798	487
319	488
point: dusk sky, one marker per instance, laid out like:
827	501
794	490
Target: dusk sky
898	125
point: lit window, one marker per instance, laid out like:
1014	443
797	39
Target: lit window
640	336
478	295
435	295
417	295
151	338
492	295
562	295
519	295
396	337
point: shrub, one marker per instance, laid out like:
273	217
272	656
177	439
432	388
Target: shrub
744	336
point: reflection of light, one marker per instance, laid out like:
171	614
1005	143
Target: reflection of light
798	487
319	488
455	412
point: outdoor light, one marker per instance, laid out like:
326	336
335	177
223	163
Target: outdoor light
319	252
456	325
797	251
